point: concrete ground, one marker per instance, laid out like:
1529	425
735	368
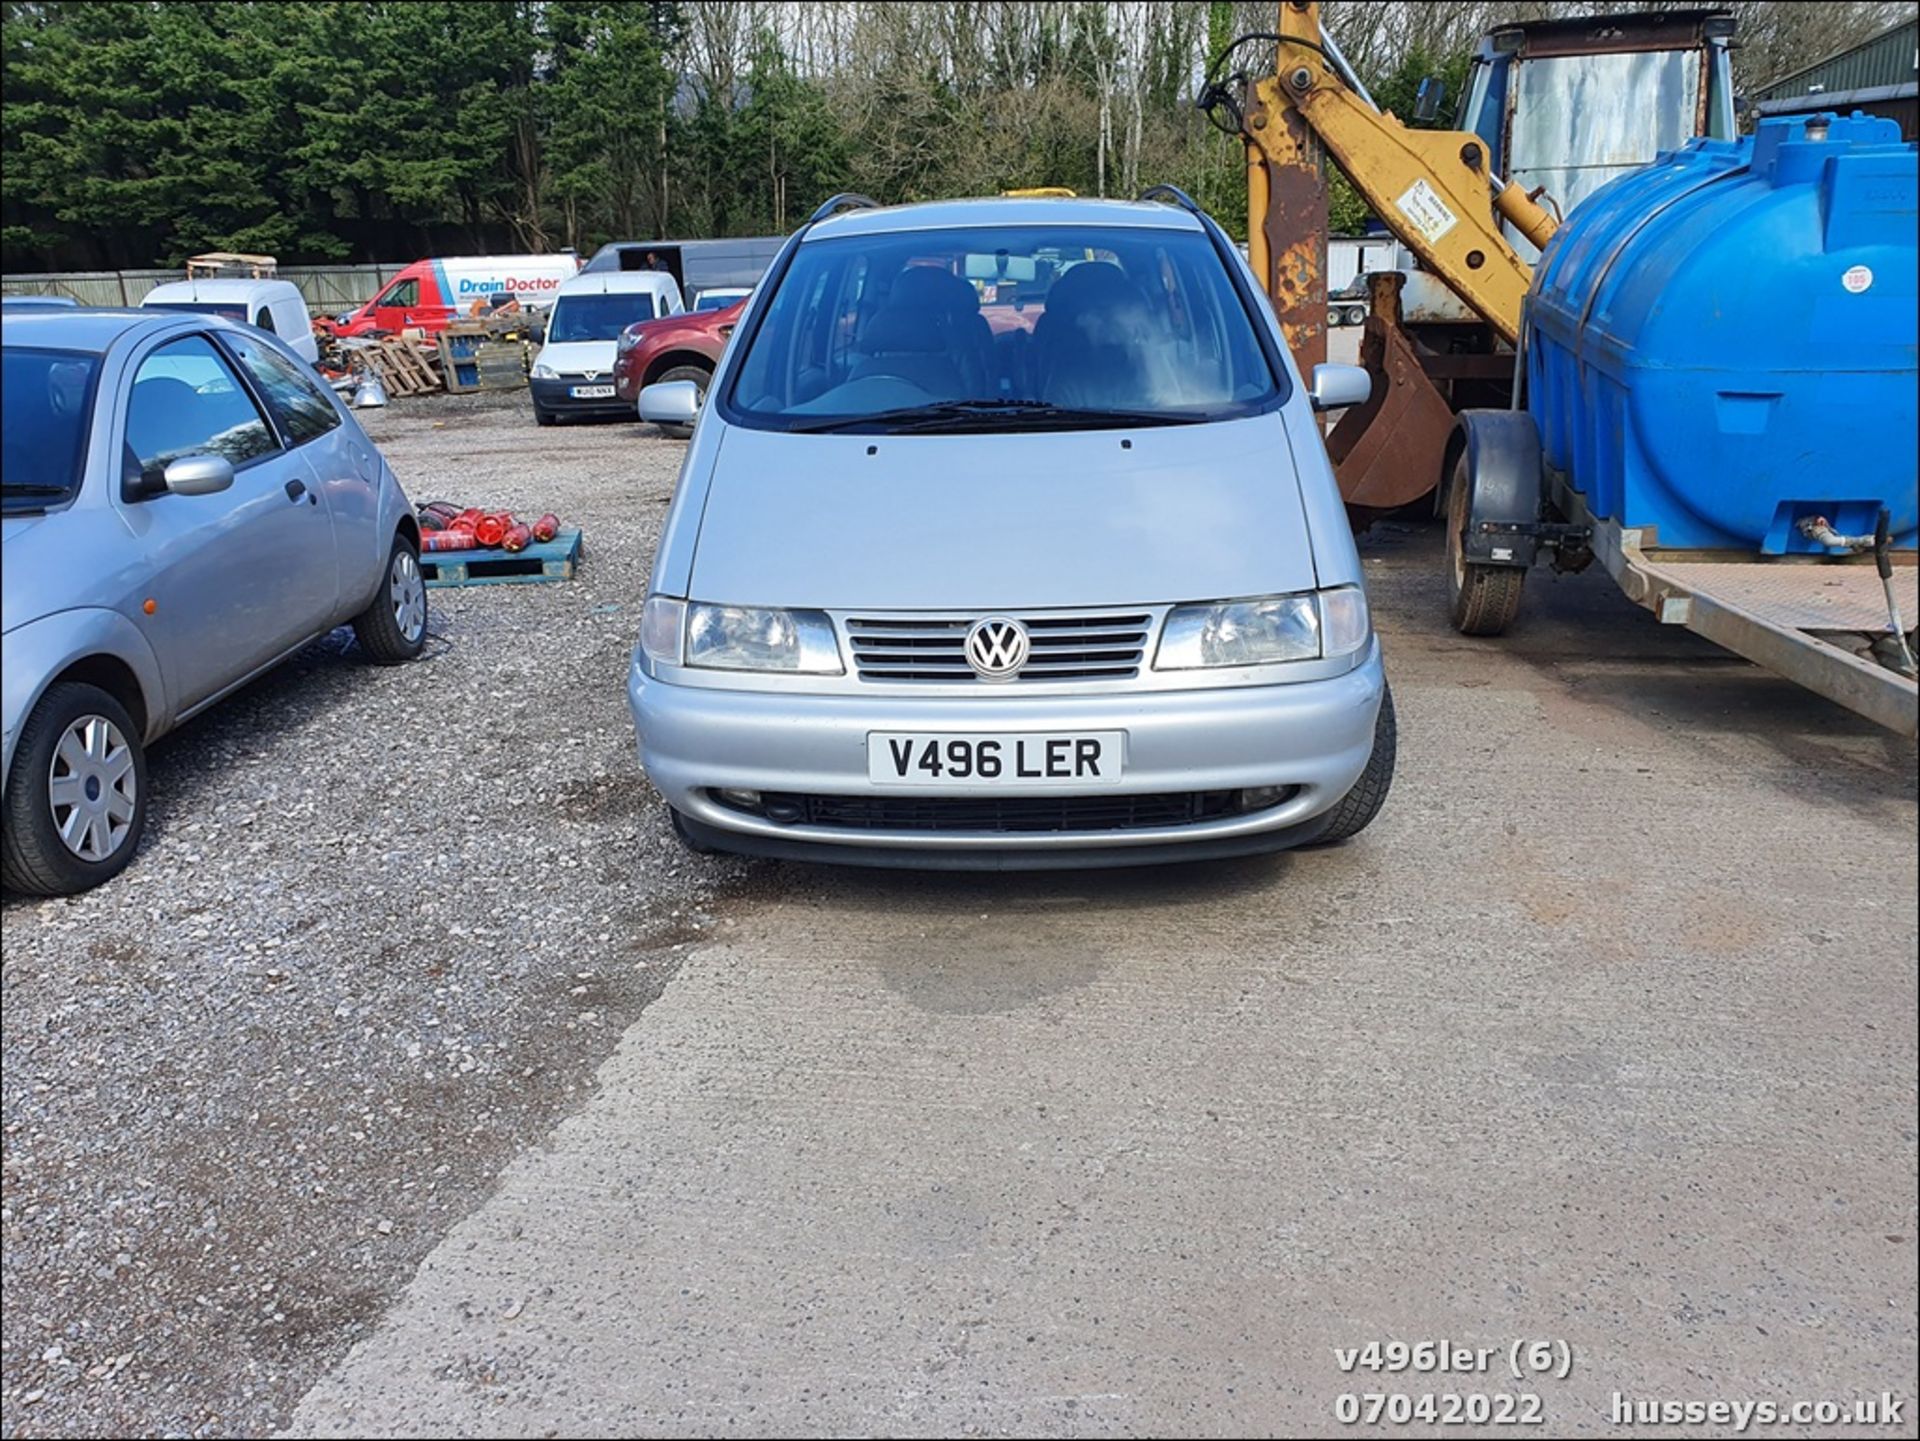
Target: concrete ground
1603	1036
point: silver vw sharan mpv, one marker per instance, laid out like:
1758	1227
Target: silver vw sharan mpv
1007	538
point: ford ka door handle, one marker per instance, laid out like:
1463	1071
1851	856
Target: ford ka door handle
298	488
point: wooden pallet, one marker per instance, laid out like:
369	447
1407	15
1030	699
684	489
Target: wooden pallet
401	364
544	560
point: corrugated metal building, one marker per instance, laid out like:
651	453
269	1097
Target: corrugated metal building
1880	76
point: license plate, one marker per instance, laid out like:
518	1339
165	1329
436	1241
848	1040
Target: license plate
591	392
920	758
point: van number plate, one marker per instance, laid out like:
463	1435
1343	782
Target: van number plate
591	392
918	758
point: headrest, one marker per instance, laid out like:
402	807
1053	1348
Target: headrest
933	288
896	330
1091	282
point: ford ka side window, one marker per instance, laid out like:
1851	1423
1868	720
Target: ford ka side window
186	400
303	411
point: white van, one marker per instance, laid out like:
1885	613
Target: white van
274	305
573	374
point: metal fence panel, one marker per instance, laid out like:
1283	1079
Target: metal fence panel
328	289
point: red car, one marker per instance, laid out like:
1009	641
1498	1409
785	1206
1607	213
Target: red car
676	347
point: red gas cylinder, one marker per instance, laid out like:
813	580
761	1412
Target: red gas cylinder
447	540
489	529
519	535
547	527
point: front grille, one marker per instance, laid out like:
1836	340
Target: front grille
1088	646
1009	814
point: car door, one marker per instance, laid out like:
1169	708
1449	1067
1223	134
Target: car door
392	309
341	462
231	579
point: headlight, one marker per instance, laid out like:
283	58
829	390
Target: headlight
740	637
545	372
661	620
1264	631
628	339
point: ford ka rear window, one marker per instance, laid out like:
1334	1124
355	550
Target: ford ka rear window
989	329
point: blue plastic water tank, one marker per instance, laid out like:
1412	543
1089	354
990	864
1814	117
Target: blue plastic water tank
1726	341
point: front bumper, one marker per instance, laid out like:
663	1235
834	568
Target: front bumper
1312	736
552	396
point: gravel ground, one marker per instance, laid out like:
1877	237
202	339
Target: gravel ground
384	926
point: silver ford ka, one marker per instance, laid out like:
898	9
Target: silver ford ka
1007	538
185	504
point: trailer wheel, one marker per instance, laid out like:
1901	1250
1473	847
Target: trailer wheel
1359	806
1481	599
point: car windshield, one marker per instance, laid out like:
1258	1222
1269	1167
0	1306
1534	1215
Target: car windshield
230	309
719	299
48	400
1055	327
598	317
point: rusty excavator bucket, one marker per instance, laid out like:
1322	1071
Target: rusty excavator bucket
1387	453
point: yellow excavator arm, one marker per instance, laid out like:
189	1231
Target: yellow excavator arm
1433	189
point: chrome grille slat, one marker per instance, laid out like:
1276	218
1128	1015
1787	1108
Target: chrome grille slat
1089	645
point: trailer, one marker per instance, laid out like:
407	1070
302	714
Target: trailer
1719	405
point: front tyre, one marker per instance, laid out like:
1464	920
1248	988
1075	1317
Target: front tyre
393	628
1359	806
686	837
76	799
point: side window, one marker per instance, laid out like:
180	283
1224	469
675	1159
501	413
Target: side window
405	293
296	400
264	319
187	401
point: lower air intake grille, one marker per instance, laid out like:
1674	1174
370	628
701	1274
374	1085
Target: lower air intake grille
1007	814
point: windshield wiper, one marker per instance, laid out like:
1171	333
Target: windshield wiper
960	415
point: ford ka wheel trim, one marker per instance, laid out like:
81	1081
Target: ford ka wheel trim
92	789
408	594
998	647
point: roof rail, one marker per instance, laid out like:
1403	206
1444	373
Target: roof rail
845	200
1174	194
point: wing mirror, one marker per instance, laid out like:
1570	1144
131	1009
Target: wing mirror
1336	386
199	474
670	402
